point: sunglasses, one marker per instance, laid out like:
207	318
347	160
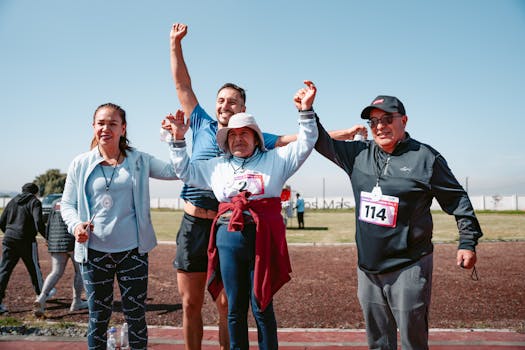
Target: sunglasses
387	119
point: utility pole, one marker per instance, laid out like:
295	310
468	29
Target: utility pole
323	194
466	184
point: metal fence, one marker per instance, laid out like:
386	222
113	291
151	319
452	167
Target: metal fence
513	202
495	202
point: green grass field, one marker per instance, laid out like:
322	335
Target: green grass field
338	226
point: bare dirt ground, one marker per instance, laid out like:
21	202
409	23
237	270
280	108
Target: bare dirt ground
322	292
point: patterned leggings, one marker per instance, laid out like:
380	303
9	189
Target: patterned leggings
131	269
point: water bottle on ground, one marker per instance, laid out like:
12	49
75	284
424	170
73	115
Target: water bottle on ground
112	341
124	342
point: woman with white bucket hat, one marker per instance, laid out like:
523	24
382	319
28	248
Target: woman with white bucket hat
247	252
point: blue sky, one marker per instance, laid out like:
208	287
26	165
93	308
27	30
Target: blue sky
458	66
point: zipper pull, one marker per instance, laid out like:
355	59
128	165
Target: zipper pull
386	165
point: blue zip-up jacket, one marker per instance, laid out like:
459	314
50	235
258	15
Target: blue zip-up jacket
75	205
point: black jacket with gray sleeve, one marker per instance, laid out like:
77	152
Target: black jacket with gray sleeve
415	173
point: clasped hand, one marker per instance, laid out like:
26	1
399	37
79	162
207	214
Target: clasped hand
304	97
177	124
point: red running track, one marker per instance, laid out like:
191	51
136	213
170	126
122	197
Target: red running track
164	338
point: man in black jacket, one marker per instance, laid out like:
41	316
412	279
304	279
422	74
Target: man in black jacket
394	180
21	220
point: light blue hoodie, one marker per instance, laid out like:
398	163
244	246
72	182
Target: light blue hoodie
75	205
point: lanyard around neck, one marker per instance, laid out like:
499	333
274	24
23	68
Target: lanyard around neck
108	183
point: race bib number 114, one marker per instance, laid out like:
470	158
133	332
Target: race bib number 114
378	210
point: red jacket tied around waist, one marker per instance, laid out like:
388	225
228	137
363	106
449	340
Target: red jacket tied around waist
272	262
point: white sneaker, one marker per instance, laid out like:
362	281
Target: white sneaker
42	298
3	309
78	305
39	308
40	303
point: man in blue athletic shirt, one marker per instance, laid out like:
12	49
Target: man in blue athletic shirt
200	206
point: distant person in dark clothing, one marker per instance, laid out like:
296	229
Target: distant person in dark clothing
299	206
21	220
61	245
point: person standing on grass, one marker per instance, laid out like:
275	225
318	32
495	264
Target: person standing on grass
299	207
394	179
20	221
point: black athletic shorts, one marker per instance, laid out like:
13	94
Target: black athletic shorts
192	244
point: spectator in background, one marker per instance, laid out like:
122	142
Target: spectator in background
60	245
299	206
286	204
21	220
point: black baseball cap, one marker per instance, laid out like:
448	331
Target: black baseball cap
388	104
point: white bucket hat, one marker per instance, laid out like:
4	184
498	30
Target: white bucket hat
237	121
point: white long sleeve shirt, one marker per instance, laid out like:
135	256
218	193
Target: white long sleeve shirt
263	173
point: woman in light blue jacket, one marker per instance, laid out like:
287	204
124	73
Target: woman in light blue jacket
106	206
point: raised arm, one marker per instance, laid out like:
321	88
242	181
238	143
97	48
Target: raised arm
342	134
179	71
349	134
295	153
304	98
